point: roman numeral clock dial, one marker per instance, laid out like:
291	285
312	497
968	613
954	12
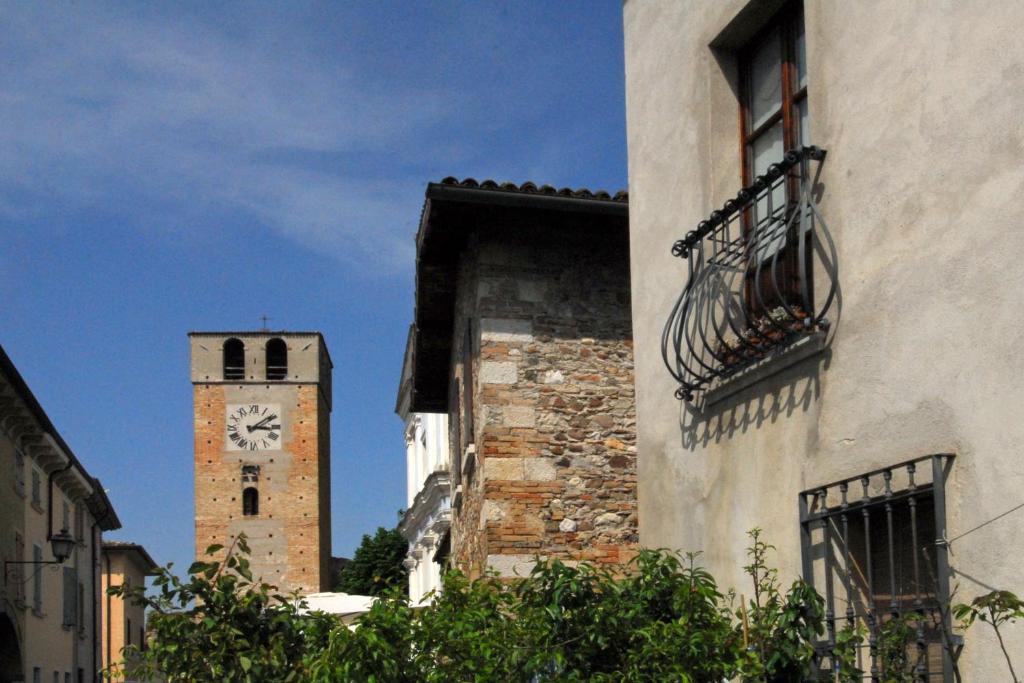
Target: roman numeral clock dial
254	427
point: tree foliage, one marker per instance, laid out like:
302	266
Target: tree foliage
220	625
665	619
377	565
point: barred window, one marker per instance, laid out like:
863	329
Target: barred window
872	546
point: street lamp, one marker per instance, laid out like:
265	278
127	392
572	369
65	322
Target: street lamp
61	544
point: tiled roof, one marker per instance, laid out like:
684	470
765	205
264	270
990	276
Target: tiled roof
149	565
530	188
453	210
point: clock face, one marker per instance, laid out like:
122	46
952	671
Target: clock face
254	427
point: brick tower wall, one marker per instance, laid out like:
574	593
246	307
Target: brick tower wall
290	537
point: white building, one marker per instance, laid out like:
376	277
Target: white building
427	517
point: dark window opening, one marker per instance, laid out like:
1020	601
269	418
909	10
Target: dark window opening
467	386
250	502
442	556
454	433
250	474
870	548
234	359
277	359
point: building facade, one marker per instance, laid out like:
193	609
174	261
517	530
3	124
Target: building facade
52	516
124	622
823	337
262	406
427	519
522	336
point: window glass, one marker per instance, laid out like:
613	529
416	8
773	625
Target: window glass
767	150
801	56
765	80
36	496
805	126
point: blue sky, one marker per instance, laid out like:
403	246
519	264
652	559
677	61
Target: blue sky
193	166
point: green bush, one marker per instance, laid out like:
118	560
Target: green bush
665	619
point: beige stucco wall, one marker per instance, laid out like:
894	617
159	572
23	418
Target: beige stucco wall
919	105
44	641
118	569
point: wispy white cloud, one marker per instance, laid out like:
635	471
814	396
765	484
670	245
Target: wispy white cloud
320	123
170	122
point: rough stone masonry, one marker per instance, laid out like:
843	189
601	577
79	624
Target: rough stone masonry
545	446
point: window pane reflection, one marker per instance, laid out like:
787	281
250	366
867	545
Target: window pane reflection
765	80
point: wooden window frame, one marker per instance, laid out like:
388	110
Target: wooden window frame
787	22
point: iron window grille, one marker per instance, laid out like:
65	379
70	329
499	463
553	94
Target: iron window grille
751	287
874	546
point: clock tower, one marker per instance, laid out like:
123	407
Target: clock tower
262	405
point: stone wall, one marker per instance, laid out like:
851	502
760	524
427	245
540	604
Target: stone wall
554	405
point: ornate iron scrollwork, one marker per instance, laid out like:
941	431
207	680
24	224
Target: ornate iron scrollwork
754	266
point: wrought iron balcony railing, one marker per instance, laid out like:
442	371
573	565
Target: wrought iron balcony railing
753	265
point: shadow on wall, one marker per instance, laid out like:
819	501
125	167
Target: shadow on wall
777	397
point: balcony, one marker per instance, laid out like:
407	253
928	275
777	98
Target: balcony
761	279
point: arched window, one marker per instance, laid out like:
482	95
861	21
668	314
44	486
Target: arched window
277	359
234	359
250	501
